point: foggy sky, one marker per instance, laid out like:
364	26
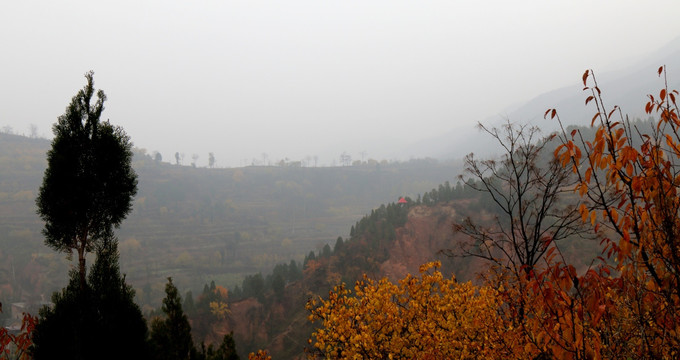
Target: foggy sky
302	78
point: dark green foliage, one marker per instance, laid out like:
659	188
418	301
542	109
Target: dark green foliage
89	181
253	286
256	286
65	330
294	271
326	251
280	270
237	293
226	350
189	306
310	256
445	193
99	321
380	224
119	319
338	244
278	285
171	337
426	199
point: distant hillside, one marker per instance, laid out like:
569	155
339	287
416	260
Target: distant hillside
627	88
199	224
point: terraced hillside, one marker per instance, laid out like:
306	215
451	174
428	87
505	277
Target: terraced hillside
200	224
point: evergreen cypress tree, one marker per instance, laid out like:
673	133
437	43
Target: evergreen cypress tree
119	319
89	182
64	331
227	350
189	306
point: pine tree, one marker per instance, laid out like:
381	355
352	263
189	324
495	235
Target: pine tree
171	337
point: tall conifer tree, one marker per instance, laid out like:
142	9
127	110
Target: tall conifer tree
89	182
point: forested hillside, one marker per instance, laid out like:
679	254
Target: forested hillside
391	242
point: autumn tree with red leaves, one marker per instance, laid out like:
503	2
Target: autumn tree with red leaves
629	178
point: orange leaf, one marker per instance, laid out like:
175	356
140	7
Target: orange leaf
550	252
660	70
589	98
662	94
584	215
629	169
545	116
669	140
619	144
585	77
611	112
594	117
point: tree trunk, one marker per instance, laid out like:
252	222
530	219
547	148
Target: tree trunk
81	264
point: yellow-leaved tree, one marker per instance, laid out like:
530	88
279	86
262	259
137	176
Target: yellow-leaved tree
425	317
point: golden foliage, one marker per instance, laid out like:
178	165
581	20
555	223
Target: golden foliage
426	317
220	308
260	355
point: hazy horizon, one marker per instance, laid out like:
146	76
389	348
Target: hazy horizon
302	78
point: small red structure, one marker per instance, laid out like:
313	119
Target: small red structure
402	201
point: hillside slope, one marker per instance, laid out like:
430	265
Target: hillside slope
279	323
392	241
200	224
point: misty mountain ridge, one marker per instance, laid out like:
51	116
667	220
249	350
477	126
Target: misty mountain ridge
628	88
